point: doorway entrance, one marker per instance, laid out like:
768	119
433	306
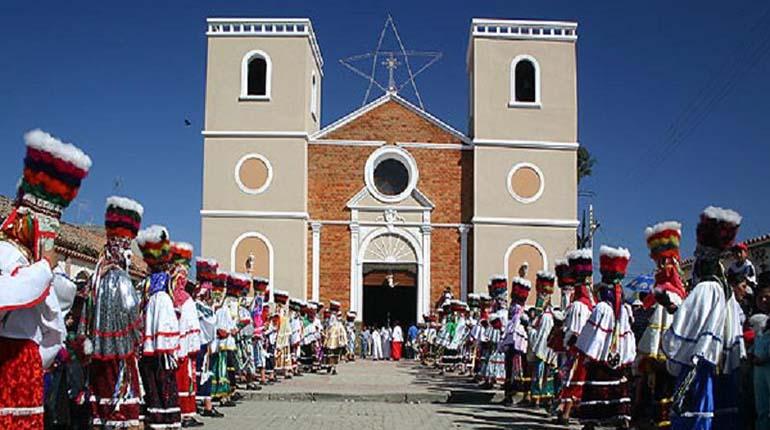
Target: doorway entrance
390	293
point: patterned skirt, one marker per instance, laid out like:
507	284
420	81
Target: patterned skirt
186	385
161	400
605	395
203	365
521	381
573	374
496	367
21	391
542	381
115	392
220	382
259	354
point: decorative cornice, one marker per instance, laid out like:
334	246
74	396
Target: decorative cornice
526	30
267	27
209	213
255	133
347	142
527	144
527	222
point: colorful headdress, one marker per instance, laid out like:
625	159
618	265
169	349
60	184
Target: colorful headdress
498	286
260	284
456	306
237	284
220	281
181	253
351	316
122	217
613	263
563	274
334	306
154	244
295	304
281	296
581	265
206	269
520	289
53	172
474	301
716	231
544	282
663	240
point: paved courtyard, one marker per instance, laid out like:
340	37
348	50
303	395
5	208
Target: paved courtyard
378	395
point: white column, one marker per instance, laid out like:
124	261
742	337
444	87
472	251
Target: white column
355	269
316	281
425	288
463	228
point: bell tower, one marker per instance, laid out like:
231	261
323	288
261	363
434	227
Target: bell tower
263	100
523	121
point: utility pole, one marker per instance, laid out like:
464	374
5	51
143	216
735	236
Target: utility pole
588	228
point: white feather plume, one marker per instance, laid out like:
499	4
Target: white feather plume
662	226
151	234
125	203
722	214
521	281
42	141
580	253
614	252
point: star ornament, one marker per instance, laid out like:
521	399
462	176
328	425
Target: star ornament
399	67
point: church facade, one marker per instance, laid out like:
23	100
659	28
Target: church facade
386	207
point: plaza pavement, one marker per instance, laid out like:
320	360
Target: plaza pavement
368	395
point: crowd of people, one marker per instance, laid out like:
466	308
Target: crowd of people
104	351
689	354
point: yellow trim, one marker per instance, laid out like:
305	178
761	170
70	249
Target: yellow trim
663	424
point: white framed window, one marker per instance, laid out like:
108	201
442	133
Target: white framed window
256	76
525	182
253	173
314	96
525	82
391	174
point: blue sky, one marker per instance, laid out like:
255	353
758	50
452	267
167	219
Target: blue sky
119	78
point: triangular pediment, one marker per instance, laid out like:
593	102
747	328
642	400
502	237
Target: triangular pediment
364	200
391	119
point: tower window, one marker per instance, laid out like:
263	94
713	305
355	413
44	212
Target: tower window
314	96
257	77
256	72
525	82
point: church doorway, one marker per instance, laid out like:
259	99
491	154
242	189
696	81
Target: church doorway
390	293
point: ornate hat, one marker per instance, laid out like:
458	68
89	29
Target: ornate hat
544	282
52	175
474	300
281	296
206	269
663	240
154	243
295	304
260	284
717	229
457	306
498	286
237	284
181	253
334	306
581	264
563	274
613	263
220	281
520	288
351	316
122	217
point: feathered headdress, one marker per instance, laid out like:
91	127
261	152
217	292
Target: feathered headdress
206	269
237	284
716	231
544	282
334	305
613	263
260	284
181	253
563	274
122	217
663	240
498	286
520	289
281	296
581	265
154	244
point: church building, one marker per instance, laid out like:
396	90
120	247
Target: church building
384	208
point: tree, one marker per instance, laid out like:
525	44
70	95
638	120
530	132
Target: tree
585	163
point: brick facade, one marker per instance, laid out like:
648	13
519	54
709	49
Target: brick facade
336	174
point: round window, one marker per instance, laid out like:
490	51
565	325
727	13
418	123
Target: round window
253	174
525	182
391	177
390	174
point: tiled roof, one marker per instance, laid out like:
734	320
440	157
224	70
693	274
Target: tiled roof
82	242
751	243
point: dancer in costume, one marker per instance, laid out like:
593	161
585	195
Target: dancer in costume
237	283
295	340
310	339
223	345
283	335
257	314
573	370
545	359
663	241
206	274
495	373
33	328
350	329
609	346
515	343
245	340
161	333
336	339
189	333
454	335
704	343
113	323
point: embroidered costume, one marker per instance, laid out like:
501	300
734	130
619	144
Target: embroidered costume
545	359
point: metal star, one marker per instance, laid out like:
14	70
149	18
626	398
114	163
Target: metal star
392	60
